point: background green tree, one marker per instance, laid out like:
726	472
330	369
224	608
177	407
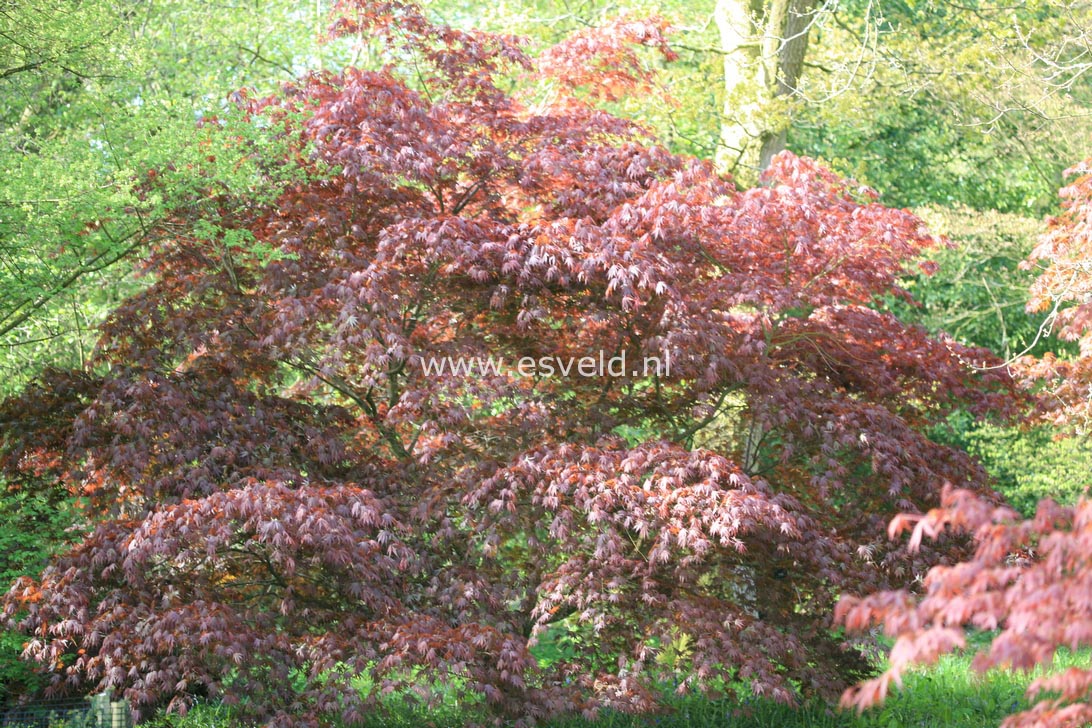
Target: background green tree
95	95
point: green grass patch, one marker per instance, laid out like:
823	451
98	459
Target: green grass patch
946	695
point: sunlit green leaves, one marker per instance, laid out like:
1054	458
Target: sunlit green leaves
101	112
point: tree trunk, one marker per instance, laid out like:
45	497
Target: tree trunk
759	68
736	22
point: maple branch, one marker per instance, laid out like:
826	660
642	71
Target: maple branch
365	402
687	434
469	195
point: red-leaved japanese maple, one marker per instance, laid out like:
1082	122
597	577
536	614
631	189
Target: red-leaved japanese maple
292	514
1031	579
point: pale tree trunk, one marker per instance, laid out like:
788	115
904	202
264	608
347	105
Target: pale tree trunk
736	20
764	45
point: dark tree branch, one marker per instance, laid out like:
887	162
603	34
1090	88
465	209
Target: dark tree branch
21	69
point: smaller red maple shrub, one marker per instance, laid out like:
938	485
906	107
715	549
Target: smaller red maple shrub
1031	579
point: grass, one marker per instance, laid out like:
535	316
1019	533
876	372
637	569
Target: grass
946	695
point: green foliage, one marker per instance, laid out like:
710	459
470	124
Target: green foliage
50	721
1029	465
1026	463
34	525
202	715
917	156
48	51
105	201
96	97
978	294
13	672
940	103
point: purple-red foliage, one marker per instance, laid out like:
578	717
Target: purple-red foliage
285	501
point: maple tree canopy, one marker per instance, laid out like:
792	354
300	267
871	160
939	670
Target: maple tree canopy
292	515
